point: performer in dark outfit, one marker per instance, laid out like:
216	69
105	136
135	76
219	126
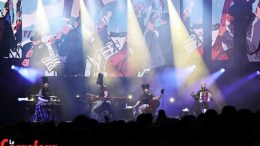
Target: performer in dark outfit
42	109
102	107
144	101
45	92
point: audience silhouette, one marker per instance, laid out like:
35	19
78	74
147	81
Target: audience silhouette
231	127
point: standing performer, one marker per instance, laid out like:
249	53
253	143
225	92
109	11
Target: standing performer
202	99
42	110
102	107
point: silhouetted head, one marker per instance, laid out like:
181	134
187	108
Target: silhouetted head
145	88
99	81
161	114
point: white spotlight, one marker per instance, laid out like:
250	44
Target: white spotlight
12	67
130	96
172	100
193	66
77	96
258	72
222	70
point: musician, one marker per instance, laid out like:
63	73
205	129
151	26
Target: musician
202	99
45	92
145	99
103	106
42	110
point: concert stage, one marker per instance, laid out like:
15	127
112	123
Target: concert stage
236	86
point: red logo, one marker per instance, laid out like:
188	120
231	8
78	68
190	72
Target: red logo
9	142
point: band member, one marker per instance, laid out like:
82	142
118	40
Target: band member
45	92
42	110
144	101
202	99
102	107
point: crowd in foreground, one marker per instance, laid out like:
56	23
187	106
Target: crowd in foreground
231	127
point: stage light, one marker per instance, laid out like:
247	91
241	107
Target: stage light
41	19
130	96
222	70
135	41
24	72
258	72
185	110
193	66
172	100
182	54
28	73
77	96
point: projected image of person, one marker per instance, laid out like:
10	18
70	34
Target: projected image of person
7	39
165	44
102	27
33	53
139	8
111	58
151	35
117	61
226	35
73	50
186	15
18	25
97	45
223	42
253	36
192	19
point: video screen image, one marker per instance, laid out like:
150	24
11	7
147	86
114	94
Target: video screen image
223	13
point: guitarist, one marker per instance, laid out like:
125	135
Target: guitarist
147	102
202	99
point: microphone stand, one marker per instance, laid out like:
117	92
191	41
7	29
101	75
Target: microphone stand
163	101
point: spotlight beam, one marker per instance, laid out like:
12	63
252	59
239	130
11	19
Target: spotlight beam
136	41
42	20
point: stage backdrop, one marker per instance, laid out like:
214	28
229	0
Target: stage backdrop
223	13
104	45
